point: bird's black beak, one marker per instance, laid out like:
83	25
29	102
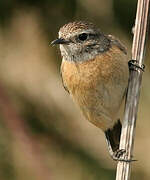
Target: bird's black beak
59	41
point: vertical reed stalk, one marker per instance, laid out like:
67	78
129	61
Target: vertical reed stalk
132	100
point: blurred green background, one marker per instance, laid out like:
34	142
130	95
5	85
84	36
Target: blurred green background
43	135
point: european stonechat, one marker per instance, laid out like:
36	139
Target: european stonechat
95	72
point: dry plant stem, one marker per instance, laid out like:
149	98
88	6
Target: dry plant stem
131	108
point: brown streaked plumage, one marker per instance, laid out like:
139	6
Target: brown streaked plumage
75	27
95	72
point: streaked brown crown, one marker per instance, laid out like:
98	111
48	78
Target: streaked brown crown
76	26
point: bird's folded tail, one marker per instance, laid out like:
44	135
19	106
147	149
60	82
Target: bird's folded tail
113	136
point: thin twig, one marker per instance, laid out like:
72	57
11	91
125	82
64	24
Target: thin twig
132	101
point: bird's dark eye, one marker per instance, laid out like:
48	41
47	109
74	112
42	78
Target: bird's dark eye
83	36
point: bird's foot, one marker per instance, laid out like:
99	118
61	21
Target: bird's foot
117	156
134	65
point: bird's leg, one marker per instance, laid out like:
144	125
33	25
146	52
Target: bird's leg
115	155
134	65
113	140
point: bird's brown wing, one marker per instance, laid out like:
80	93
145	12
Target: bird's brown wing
65	87
118	43
121	46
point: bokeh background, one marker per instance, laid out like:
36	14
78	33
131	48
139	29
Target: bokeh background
43	135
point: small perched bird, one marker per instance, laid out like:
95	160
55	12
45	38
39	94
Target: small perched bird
95	72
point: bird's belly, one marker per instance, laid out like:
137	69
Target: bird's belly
99	104
97	88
